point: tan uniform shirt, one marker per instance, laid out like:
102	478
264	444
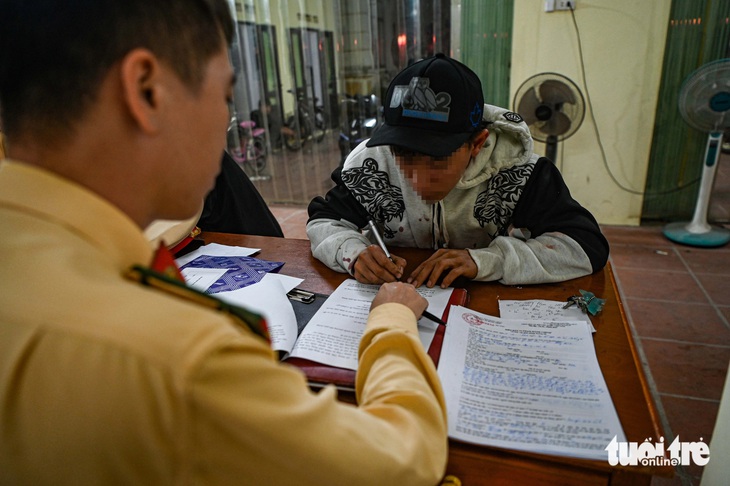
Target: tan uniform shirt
105	381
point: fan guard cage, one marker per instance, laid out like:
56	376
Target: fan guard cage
704	99
551	105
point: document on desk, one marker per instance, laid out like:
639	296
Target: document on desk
545	310
268	298
215	249
333	334
528	385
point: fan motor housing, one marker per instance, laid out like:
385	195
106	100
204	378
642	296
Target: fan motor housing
543	112
720	101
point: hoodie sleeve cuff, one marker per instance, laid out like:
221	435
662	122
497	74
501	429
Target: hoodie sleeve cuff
490	263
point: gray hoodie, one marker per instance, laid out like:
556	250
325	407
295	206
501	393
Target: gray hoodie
476	215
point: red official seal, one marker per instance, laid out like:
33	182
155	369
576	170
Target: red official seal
473	319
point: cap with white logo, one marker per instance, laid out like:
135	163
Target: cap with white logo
431	107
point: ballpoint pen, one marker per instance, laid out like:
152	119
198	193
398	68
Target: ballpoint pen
433	318
379	239
381	243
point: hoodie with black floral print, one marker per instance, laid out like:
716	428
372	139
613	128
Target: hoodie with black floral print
511	210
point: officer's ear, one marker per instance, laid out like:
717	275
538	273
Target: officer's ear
142	80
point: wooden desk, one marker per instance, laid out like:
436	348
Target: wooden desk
615	349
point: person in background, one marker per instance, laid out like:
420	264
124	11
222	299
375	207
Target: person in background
111	369
266	117
234	205
450	173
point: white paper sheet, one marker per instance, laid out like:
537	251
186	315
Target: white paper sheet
269	299
202	278
287	282
266	297
333	334
545	310
215	249
526	385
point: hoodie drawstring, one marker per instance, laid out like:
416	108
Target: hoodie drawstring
439	235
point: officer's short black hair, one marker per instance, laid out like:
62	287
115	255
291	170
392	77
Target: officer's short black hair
54	54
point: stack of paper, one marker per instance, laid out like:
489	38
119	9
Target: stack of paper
531	385
333	334
207	266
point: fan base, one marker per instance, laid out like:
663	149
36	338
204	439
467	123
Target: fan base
679	233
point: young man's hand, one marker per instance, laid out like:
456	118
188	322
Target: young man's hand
450	264
401	293
373	267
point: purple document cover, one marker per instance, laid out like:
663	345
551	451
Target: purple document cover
242	271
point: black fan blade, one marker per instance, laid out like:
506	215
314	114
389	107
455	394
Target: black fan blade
558	124
555	92
528	105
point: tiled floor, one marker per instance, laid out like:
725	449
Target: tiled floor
292	220
677	300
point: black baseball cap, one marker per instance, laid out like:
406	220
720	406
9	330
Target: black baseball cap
432	107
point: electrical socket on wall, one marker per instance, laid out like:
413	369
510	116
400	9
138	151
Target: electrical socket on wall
553	5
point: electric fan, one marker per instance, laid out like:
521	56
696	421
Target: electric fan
553	108
704	102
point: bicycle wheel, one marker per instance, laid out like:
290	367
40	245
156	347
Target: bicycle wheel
292	139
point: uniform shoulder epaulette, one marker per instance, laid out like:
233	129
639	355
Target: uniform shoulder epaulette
173	286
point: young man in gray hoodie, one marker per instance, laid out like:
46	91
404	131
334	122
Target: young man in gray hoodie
448	172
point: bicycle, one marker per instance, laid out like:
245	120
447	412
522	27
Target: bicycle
247	144
309	123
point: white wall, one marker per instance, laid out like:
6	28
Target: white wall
623	45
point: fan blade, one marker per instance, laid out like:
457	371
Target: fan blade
558	124
554	92
528	105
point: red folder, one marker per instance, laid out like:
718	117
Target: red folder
321	374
